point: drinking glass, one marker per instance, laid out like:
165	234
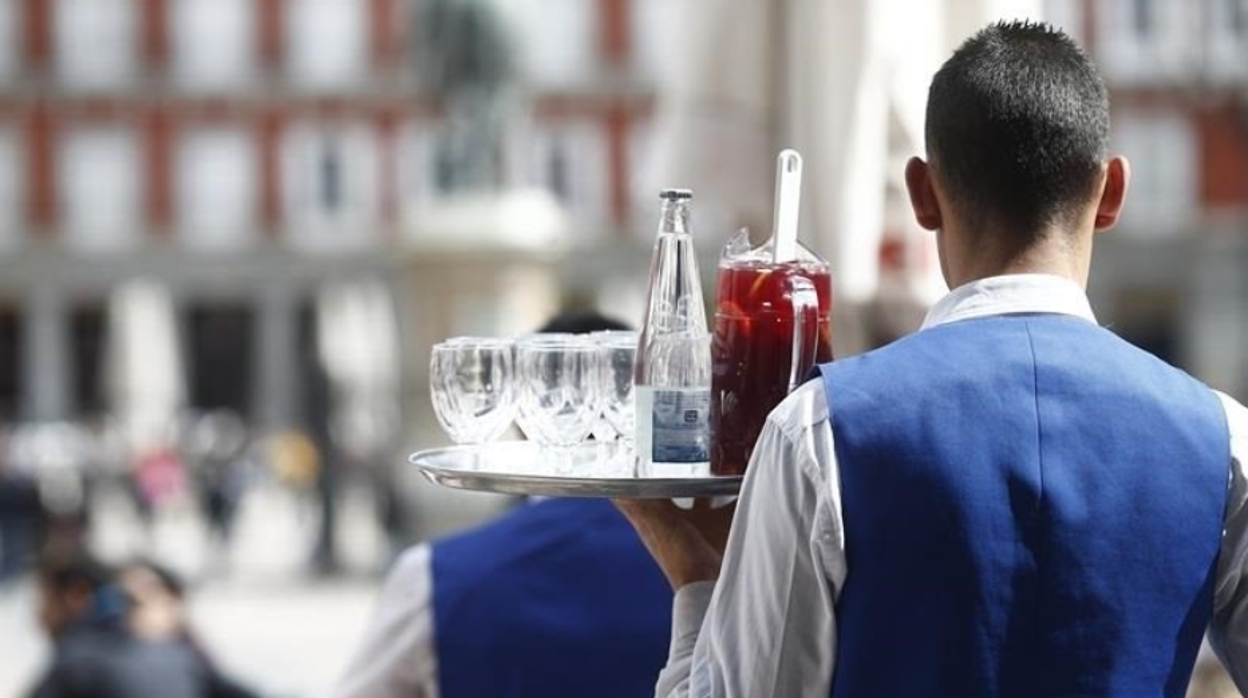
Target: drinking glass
603	431
558	389
617	356
522	419
472	383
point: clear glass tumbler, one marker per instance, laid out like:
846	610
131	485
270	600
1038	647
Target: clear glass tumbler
472	381
617	359
558	389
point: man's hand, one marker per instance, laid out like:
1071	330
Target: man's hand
688	545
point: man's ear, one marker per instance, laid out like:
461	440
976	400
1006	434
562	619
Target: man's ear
922	195
1114	193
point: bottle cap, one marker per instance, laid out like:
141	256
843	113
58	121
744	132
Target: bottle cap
676	194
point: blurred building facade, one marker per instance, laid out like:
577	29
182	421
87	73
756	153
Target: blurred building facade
1172	276
243	152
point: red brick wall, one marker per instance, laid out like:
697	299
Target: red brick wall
1223	133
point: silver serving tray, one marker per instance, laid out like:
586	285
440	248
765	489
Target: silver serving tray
588	470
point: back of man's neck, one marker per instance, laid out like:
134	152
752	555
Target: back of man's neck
1051	256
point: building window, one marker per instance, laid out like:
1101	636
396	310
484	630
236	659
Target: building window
556	41
1148	41
1165	174
11	160
216	187
326	43
96	42
569	159
10	44
213	43
641	147
417	165
100	187
1142	18
331	179
1226	57
1237	16
1066	15
657	30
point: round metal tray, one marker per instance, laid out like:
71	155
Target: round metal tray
588	470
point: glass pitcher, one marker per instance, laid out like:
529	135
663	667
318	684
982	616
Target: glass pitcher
773	323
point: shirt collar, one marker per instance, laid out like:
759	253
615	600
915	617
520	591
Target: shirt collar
1012	293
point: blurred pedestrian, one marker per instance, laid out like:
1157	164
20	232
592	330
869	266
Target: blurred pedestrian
155	596
49	483
21	518
96	654
554	599
83	611
217	447
156	605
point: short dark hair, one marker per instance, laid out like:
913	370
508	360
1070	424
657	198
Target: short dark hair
1018	127
70	567
581	322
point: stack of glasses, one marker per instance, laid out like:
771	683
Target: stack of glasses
558	388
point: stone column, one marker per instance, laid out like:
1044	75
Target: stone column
46	348
276	356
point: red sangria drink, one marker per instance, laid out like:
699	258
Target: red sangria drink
772	325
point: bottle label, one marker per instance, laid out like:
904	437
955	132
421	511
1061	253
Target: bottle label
679	425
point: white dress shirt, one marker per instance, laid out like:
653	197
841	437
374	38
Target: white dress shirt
768	626
396	657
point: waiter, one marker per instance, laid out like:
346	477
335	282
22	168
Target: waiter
1010	502
515	607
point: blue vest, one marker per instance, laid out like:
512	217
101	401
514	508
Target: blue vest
1032	507
554	599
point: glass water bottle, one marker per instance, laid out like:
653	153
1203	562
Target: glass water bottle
673	372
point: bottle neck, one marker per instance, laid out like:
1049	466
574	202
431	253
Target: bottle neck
674	218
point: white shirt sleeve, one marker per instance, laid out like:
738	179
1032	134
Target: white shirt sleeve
1228	631
396	658
768	627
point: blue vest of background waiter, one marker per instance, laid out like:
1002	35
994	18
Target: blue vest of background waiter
1032	507
557	599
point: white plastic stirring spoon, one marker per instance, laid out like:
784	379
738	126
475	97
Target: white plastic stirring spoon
788	202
